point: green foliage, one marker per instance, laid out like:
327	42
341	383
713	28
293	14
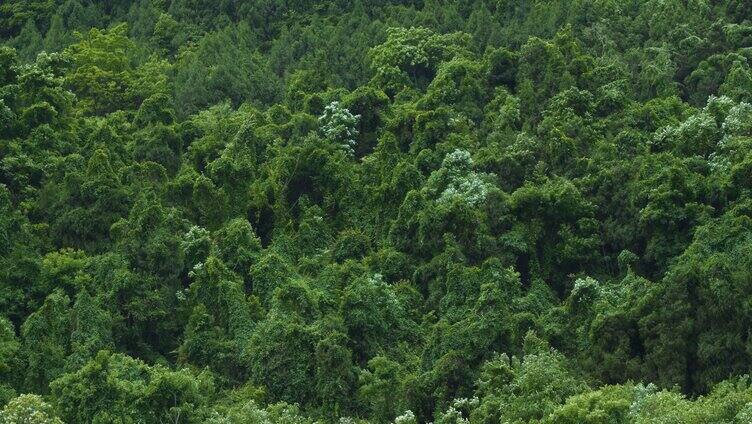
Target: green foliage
373	315
103	70
223	66
372	212
411	57
379	387
46	342
280	355
9	360
29	40
117	387
610	404
521	390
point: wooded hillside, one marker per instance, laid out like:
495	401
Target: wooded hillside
383	211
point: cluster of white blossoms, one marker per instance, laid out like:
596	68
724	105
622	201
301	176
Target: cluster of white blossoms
702	129
586	290
641	393
407	418
28	408
739	120
738	123
454	414
464	184
339	126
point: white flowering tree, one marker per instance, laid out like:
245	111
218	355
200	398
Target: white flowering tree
733	147
28	409
458	412
340	126
463	184
407	418
720	132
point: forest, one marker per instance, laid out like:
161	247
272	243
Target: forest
375	211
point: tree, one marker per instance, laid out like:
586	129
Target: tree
29	41
56	38
738	82
528	388
221	321
338	125
9	360
91	329
238	246
149	237
280	355
46	342
450	206
610	404
373	316
102	73
28	409
335	375
411	57
117	387
223	65
379	388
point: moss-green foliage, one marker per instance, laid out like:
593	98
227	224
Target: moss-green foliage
375	211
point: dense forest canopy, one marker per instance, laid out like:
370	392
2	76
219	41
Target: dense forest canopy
387	211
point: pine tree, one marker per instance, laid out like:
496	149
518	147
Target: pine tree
29	41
